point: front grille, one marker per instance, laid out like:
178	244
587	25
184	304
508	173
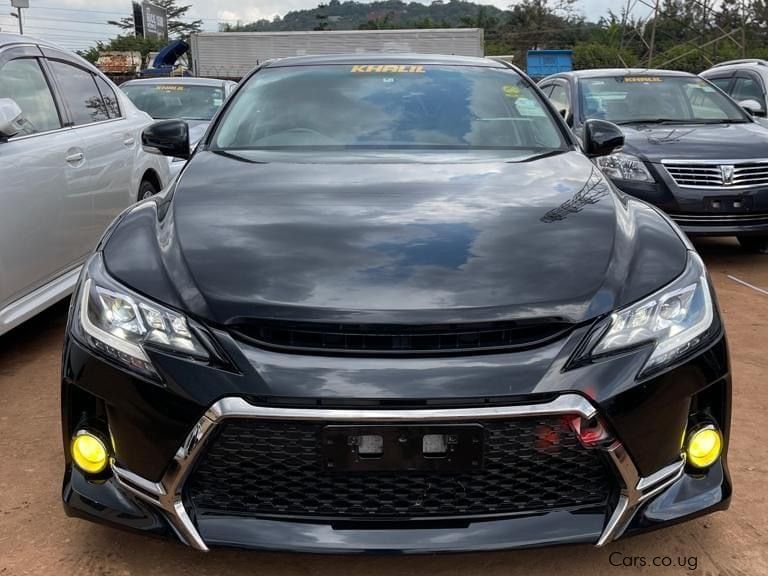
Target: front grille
400	339
717	175
273	468
716	219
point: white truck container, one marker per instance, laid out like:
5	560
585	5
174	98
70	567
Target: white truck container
232	55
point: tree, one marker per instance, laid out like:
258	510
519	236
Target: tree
177	28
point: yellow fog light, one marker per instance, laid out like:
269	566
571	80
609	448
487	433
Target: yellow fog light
704	446
89	452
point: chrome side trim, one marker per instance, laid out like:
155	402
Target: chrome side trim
167	494
31	304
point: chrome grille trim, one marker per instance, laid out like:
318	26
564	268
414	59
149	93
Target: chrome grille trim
166	495
719	174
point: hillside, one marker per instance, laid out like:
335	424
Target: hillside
350	15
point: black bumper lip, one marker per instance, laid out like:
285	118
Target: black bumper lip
689	497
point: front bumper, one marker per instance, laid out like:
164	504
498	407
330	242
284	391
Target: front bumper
160	432
697	211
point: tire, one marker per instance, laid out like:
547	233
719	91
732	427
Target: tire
757	244
146	190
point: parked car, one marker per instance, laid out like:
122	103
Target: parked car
744	81
194	100
389	305
70	161
690	150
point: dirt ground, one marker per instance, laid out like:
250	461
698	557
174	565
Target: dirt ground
37	538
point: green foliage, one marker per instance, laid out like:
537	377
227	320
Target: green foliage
177	28
124	44
596	55
686	35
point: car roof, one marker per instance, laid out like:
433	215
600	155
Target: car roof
757	65
7	39
193	81
599	72
385	58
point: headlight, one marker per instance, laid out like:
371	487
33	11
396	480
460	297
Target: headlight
119	323
675	319
624	167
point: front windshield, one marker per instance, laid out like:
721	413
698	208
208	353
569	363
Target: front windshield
628	99
184	101
387	107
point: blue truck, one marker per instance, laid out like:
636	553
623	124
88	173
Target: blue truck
541	63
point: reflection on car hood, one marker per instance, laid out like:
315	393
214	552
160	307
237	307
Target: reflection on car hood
697	141
405	242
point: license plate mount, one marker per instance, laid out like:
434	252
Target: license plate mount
438	448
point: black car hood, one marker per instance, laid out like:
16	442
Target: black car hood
697	141
394	241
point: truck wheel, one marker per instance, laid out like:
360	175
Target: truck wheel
757	244
146	190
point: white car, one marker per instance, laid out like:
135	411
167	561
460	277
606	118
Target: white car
194	100
70	161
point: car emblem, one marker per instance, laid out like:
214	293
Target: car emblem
726	172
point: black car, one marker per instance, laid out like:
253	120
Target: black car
390	305
690	150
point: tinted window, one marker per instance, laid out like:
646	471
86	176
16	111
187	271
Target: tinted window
23	80
648	98
747	89
176	100
387	107
721	83
80	93
109	97
559	98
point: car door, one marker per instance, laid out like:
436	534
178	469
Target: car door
42	209
108	140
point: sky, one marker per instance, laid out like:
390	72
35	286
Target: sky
78	24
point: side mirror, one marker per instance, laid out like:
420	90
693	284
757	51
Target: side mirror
601	138
752	106
11	118
167	138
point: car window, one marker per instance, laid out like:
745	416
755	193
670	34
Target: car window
636	98
721	83
559	98
185	101
80	93
747	89
23	80
109	97
389	107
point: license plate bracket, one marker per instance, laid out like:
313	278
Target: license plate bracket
446	448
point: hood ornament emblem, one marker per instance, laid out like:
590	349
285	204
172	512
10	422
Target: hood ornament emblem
726	173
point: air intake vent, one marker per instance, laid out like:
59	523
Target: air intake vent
361	339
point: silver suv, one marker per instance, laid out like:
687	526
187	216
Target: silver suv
745	81
70	161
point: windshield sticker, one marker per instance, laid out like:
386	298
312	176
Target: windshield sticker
388	69
642	79
169	88
528	107
511	91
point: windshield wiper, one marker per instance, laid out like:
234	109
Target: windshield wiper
679	121
656	121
